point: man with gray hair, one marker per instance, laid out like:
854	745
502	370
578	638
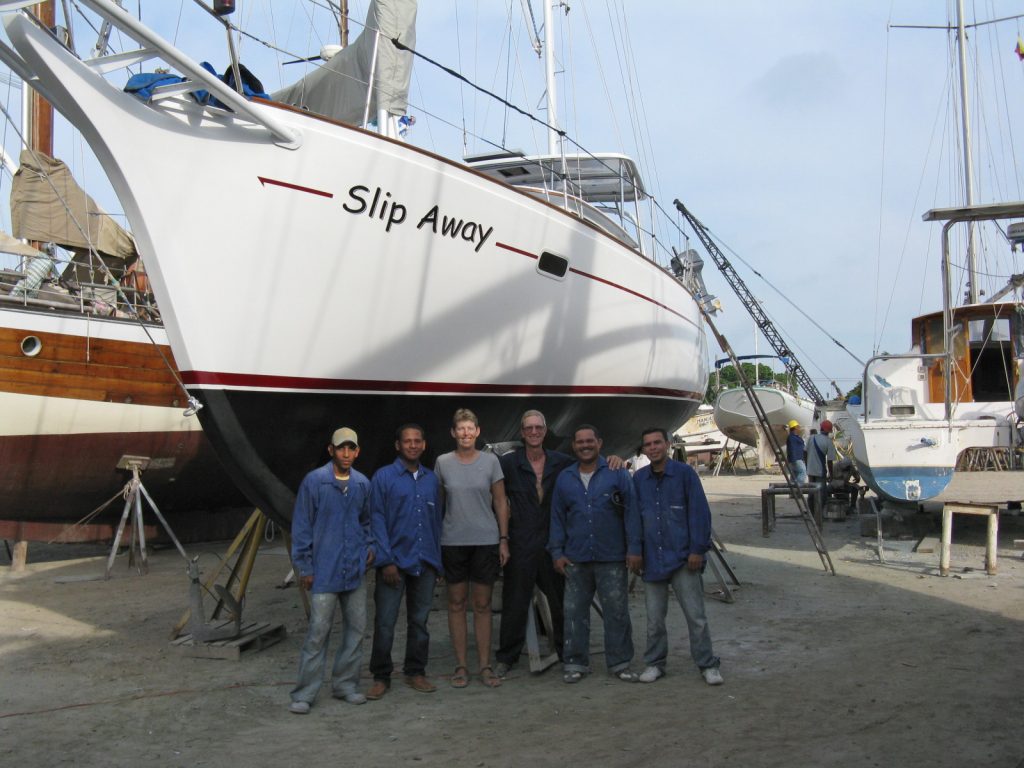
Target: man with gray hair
530	474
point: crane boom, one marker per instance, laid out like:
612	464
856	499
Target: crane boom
753	306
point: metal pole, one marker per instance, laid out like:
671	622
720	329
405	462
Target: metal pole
369	85
947	320
965	119
554	140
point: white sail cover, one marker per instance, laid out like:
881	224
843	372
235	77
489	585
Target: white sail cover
48	205
338	88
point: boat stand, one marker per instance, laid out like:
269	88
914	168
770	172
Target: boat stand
724	592
538	661
134	491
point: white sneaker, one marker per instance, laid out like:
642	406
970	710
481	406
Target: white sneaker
299	707
650	674
712	676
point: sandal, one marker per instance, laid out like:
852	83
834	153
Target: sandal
627	676
572	677
488	678
460	679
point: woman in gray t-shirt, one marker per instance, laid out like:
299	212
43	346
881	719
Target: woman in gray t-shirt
474	541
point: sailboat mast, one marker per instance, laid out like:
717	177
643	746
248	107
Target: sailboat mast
38	111
965	118
554	140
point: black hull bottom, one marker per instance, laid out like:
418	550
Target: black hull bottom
268	441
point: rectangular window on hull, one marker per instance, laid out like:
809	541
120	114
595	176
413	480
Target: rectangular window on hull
553	266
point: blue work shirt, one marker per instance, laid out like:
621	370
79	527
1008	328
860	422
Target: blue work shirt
586	527
795	449
331	529
529	515
676	518
406	513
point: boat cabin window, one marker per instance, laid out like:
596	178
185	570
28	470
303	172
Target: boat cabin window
552	266
992	369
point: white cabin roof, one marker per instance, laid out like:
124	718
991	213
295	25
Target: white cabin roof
600	178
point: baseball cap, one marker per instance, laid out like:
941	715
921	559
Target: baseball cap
344	435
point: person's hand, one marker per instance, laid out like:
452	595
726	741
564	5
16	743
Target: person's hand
561	563
695	562
307	582
503	553
616	463
635	563
370	557
389	574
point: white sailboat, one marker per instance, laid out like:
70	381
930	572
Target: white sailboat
956	388
425	285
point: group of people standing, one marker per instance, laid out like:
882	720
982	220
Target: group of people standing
572	527
811	461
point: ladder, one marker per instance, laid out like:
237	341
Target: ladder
798	496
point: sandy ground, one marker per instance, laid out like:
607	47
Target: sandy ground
881	665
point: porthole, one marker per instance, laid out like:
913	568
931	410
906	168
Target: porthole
31	346
553	266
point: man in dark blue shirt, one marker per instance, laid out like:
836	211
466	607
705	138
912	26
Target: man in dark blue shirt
405	506
530	474
332	547
596	534
677	535
796	452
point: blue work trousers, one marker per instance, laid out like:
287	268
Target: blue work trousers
610	581
689	588
419	595
345	674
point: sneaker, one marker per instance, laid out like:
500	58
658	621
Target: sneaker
712	676
501	669
650	674
299	707
351	698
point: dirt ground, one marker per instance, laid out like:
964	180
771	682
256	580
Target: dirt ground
880	665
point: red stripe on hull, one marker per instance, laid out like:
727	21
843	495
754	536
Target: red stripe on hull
258	381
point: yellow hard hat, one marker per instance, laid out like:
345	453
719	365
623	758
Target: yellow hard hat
793	424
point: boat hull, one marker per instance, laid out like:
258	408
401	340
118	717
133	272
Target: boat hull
373	283
735	416
95	390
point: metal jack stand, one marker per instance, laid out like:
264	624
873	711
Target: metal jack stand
134	491
201	631
724	592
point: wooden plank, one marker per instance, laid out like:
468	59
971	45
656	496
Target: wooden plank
254	636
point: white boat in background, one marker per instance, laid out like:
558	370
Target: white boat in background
921	410
735	416
959	386
311	273
700	433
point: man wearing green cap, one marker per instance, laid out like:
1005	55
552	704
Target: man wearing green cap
332	546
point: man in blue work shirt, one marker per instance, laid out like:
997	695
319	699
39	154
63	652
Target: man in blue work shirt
332	546
596	535
677	535
796	452
405	506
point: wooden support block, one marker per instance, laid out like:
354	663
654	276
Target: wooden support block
1018	543
254	636
19	556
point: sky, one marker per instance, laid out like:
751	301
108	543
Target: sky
808	136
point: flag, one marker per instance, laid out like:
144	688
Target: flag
1020	49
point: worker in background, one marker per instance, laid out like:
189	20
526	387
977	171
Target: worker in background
821	452
677	536
796	453
332	546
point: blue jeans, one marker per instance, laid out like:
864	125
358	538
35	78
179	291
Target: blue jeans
799	468
611	583
419	595
345	674
689	588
